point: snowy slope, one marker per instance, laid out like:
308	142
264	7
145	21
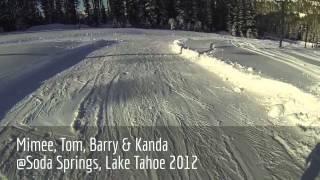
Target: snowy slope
285	100
223	111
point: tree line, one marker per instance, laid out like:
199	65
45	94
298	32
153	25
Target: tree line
236	16
245	18
302	19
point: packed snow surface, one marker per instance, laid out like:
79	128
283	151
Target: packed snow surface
248	109
287	104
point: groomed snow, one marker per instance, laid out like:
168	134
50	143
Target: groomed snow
287	105
237	120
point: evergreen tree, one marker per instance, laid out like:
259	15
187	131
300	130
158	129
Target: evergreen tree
71	11
133	13
58	12
103	14
151	14
162	13
87	10
180	11
208	17
142	13
87	6
239	17
48	8
117	12
251	30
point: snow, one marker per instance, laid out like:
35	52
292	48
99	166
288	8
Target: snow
246	108
270	92
23	72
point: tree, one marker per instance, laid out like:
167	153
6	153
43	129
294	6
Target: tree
250	23
118	12
103	14
48	8
58	13
71	11
208	16
151	13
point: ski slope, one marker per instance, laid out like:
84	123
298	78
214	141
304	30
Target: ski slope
246	108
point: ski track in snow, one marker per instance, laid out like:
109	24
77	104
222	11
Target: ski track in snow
140	82
282	57
287	104
282	99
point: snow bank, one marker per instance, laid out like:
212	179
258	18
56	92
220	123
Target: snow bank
287	105
56	27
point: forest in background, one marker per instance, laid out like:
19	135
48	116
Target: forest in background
244	18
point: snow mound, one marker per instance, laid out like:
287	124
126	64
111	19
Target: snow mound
286	104
276	111
55	27
315	89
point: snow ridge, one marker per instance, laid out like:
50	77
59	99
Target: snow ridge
286	104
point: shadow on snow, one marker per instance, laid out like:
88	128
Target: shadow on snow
15	91
313	170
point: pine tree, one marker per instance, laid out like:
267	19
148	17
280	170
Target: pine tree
133	12
234	18
151	14
251	31
180	11
48	8
96	12
196	24
71	11
230	15
7	15
117	12
162	13
87	10
58	14
209	15
87	6
34	15
141	13
103	14
188	9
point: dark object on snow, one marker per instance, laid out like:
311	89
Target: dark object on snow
312	172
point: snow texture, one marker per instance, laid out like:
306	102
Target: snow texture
247	109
